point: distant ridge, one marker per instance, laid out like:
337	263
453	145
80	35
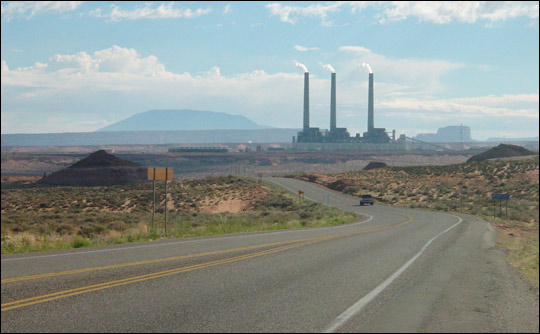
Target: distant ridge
183	119
502	151
513	139
375	165
273	135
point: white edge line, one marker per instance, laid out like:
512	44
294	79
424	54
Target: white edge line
190	241
359	305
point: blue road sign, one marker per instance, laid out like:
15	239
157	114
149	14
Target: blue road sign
500	197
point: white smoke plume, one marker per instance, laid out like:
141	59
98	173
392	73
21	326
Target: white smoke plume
329	68
302	67
366	65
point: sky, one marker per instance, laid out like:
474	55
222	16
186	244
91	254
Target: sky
76	66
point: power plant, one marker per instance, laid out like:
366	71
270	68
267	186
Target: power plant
338	139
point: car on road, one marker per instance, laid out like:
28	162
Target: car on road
366	199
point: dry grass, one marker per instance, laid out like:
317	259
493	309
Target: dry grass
43	218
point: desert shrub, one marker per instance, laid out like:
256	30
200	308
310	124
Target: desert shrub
350	190
79	242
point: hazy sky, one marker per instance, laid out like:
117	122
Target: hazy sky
78	66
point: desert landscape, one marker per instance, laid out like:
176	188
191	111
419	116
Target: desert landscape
465	188
37	217
194	165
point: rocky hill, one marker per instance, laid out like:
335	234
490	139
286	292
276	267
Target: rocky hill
502	151
375	165
98	169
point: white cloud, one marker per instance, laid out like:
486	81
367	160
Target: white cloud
440	12
290	14
147	11
227	9
421	73
112	84
304	48
120	79
443	12
508	105
31	8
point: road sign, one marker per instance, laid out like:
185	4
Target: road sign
160	173
300	192
500	197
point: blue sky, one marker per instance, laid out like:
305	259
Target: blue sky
79	66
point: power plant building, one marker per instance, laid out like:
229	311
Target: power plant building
338	139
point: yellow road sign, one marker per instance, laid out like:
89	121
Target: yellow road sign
160	173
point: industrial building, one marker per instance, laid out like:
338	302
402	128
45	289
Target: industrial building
339	139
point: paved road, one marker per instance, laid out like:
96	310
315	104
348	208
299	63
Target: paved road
393	270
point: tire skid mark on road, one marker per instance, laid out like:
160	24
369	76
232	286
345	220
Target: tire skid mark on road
90	288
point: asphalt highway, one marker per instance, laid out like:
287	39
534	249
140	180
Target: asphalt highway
393	270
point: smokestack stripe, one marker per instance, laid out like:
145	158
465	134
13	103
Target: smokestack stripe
306	101
333	103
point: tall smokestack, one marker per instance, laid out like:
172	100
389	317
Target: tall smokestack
333	103
370	104
306	101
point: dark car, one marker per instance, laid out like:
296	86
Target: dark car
366	199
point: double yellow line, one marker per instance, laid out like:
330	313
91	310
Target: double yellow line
77	291
95	287
122	265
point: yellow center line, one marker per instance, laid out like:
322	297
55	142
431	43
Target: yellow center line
71	292
85	289
114	266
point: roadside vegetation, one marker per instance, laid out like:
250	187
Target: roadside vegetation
463	188
37	218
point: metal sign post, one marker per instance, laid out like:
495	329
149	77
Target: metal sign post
154	206
500	197
166	209
152	176
162	174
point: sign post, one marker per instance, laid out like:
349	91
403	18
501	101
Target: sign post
166	209
154	206
160	174
152	176
500	197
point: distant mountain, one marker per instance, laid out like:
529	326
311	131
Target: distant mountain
449	134
183	119
513	139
